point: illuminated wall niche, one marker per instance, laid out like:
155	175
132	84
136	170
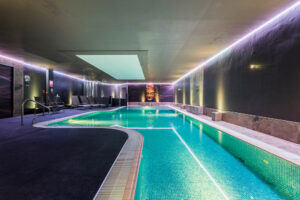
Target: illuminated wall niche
192	88
200	82
197	88
183	92
175	94
220	92
143	96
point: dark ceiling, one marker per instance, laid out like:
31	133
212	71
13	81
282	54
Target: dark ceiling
169	36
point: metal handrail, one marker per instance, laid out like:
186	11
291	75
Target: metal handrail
22	108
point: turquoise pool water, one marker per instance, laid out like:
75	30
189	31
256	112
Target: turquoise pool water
185	159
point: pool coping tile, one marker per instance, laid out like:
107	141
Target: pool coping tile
120	181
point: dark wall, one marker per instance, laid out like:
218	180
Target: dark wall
136	93
67	87
272	88
179	92
6	97
36	85
187	90
166	93
123	93
97	90
108	91
14	89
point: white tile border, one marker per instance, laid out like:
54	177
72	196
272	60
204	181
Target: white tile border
289	156
129	188
259	143
113	165
124	185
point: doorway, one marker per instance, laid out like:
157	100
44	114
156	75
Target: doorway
6	93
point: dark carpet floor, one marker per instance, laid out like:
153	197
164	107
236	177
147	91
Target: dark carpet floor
56	164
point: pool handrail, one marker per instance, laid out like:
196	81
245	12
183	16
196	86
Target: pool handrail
22	109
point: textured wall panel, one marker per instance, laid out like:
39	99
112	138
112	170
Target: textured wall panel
270	89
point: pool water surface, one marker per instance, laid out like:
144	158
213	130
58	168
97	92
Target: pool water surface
183	158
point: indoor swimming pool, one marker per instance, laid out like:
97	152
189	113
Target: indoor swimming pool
183	158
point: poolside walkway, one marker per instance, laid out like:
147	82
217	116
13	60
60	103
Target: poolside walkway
11	127
61	163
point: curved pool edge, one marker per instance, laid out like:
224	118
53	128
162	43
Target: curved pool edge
44	124
120	182
129	191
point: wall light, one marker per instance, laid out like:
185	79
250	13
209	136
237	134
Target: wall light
239	41
254	67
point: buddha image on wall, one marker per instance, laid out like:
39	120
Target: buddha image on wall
151	93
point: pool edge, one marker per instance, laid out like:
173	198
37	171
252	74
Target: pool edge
281	153
120	181
125	183
44	124
256	142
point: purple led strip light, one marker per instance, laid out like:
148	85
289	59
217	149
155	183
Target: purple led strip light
22	62
115	84
73	77
182	77
239	41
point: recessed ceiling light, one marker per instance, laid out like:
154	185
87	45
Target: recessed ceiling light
120	67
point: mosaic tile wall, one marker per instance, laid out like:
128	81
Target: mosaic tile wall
282	175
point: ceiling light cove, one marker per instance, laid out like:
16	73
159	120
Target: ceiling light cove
121	67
